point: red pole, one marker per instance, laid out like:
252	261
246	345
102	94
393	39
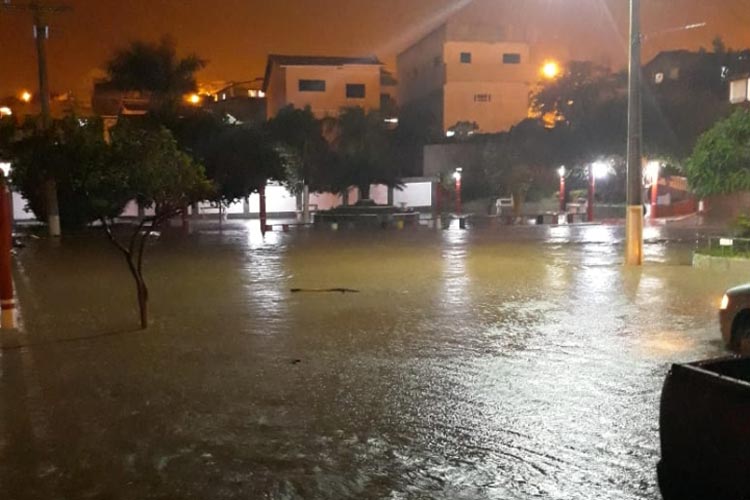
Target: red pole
263	217
592	189
654	196
562	193
458	194
7	304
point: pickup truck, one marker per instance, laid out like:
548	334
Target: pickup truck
704	426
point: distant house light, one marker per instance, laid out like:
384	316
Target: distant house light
5	168
393	121
659	78
5	111
450	133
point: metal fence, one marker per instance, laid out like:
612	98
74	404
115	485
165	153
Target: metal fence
728	246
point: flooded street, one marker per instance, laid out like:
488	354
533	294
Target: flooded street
485	364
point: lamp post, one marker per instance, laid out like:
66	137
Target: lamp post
634	215
596	170
561	171
457	178
652	173
592	193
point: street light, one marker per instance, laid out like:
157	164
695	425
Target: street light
26	96
550	70
194	99
457	178
652	176
561	172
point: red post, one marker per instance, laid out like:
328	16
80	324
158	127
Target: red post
458	193
562	193
263	215
654	196
7	304
592	192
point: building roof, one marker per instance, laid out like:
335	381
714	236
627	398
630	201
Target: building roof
296	60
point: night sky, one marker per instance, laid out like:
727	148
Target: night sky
236	35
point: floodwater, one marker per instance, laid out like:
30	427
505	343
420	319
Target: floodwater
484	364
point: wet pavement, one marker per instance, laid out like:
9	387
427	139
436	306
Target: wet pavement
510	363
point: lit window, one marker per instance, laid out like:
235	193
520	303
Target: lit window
466	57
674	74
511	58
482	97
659	78
355	90
312	85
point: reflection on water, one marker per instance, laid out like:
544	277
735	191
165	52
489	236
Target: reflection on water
504	363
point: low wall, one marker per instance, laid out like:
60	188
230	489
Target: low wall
738	264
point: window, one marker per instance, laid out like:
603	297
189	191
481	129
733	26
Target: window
355	90
482	97
312	85
674	74
659	78
512	58
466	57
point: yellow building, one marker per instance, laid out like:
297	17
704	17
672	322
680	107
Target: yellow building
474	69
325	84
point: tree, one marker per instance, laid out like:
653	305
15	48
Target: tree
364	152
71	151
239	159
145	164
719	163
298	137
155	68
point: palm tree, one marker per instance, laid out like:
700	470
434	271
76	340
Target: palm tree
156	69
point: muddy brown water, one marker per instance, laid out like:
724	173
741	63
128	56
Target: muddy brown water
485	364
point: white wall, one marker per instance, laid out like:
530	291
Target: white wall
414	194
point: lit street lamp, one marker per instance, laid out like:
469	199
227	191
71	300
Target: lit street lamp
550	70
26	96
457	178
561	171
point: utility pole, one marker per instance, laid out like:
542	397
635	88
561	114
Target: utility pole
634	216
39	11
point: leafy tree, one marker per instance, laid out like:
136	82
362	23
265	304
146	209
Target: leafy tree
70	151
145	164
298	137
155	68
239	159
364	152
720	160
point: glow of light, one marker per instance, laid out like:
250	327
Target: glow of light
26	96
5	168
561	171
194	99
450	133
457	174
600	169
652	171
724	302
394	121
5	111
550	70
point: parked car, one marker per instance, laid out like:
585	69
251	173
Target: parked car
704	431
734	317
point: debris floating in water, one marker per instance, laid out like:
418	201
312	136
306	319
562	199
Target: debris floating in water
324	290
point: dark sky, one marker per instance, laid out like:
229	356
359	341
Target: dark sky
236	35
